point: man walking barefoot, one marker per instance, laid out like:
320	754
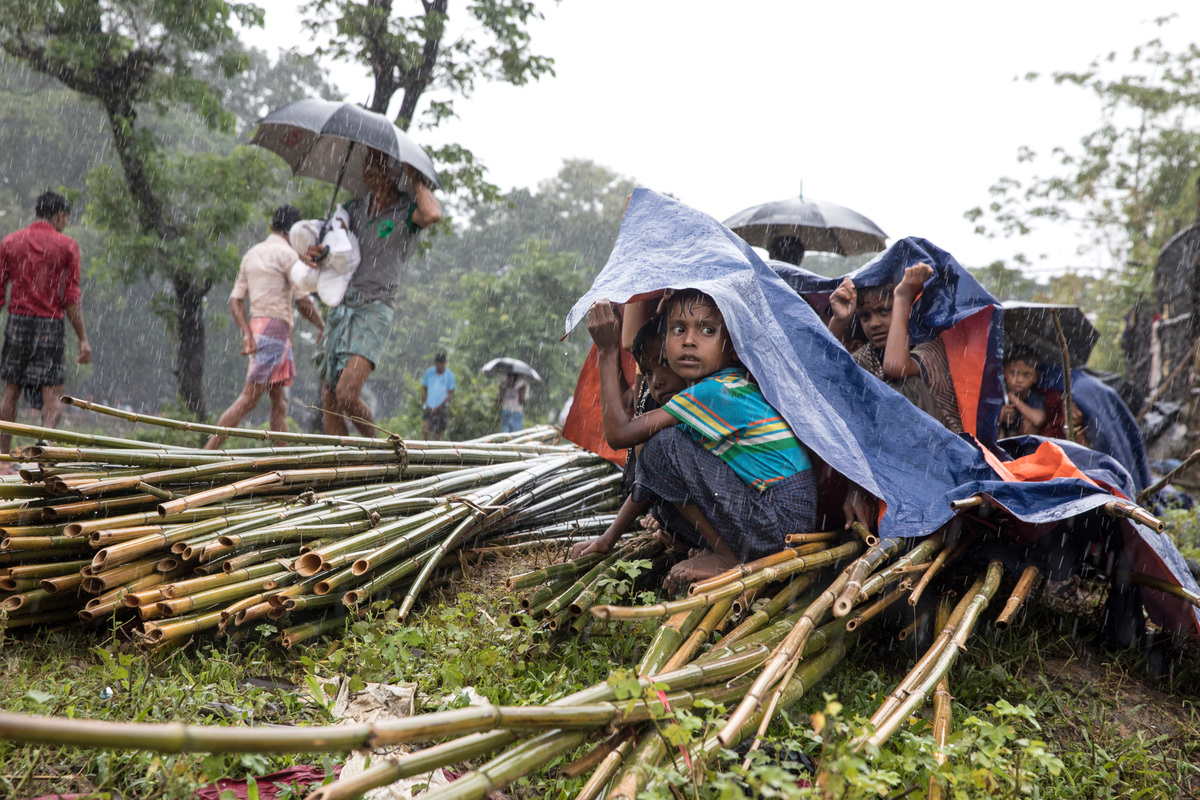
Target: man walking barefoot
42	264
264	281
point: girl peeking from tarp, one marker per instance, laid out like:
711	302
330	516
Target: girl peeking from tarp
727	476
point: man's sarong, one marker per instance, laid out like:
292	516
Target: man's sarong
352	329
272	361
33	355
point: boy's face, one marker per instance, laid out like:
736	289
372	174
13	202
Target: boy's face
660	378
697	343
1020	377
875	316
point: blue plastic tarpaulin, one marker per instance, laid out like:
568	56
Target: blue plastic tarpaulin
953	306
851	420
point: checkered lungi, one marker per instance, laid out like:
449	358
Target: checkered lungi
674	468
33	354
272	361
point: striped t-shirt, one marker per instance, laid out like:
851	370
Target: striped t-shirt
728	416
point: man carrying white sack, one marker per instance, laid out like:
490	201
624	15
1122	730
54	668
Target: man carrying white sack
265	280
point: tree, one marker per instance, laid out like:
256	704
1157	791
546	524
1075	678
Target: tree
173	205
1131	184
411	55
1005	283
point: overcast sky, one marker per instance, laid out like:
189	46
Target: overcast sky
905	112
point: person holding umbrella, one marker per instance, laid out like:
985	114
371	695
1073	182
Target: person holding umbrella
386	221
511	399
514	391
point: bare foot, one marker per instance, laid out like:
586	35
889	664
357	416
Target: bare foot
669	540
651	523
706	565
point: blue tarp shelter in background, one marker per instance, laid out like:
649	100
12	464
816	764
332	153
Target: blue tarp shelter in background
853	421
952	305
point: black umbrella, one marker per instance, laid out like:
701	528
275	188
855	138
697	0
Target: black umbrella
328	141
820	226
1032	325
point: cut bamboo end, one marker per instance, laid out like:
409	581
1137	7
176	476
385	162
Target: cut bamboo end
974	501
860	530
1116	508
1029	578
309	564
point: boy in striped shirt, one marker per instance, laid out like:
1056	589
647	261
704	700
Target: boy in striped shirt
730	475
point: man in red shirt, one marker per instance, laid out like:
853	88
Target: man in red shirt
42	264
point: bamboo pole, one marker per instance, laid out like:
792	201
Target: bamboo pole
947	556
861	568
552	573
667	639
788	651
941	666
742	571
942	716
1150	582
1029	578
606	769
716	616
764	576
921	668
56	435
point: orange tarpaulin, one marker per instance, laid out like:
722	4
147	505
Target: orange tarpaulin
966	352
585	423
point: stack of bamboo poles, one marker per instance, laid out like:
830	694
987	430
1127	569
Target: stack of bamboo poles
303	532
782	623
190	540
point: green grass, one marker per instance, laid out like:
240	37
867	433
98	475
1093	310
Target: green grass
1037	712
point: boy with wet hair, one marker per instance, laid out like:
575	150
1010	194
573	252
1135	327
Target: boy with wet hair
920	373
1024	410
728	471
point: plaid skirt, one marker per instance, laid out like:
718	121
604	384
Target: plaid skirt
33	354
352	329
674	468
272	361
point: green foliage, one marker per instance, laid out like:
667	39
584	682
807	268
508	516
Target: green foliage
209	200
1131	183
1010	700
409	54
619	585
520	314
1183	526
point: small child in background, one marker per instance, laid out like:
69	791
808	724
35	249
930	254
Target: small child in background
732	477
1024	410
920	373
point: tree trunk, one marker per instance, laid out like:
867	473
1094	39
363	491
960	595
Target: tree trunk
189	315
